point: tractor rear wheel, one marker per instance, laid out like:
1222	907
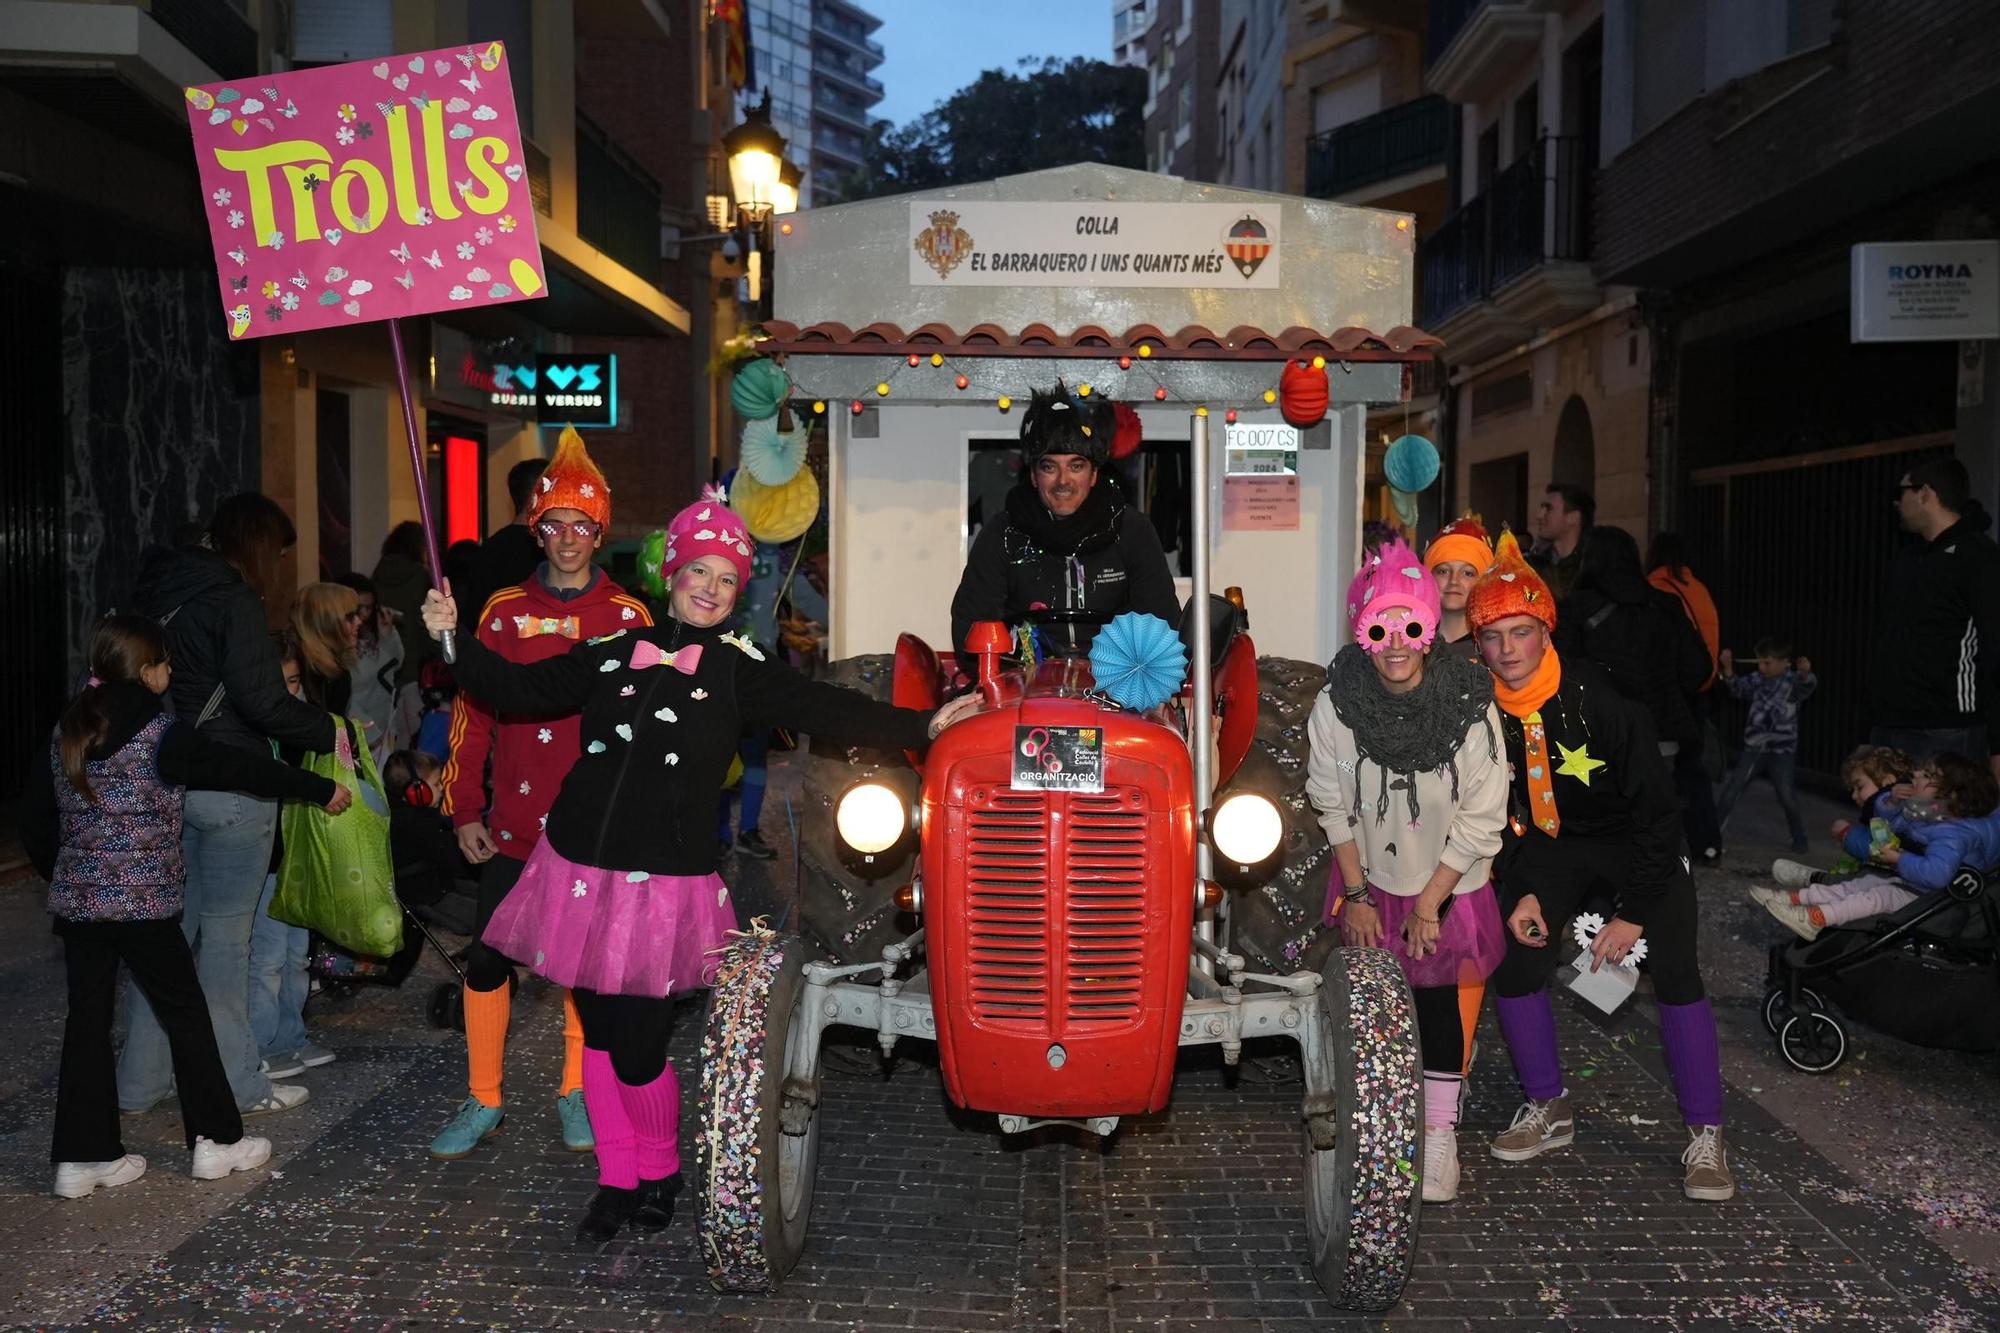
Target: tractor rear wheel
1363	1194
1276	918
759	1141
849	916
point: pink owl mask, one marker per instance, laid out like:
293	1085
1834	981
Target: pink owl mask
1393	579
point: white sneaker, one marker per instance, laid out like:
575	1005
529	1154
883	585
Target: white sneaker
1792	874
282	1097
74	1180
1764	895
213	1161
1440	1164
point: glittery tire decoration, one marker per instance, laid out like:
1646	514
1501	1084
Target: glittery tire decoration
1275	918
1363	1195
848	916
756	1180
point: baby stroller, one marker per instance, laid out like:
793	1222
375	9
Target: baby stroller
1929	974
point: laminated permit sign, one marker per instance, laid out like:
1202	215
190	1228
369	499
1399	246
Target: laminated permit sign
355	193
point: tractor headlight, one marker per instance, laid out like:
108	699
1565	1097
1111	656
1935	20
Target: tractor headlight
871	818
1246	828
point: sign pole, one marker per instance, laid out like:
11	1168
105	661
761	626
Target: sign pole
422	472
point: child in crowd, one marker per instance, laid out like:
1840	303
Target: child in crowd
429	866
1871	774
105	831
437	689
1967	835
1771	734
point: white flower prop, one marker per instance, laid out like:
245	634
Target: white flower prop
1585	928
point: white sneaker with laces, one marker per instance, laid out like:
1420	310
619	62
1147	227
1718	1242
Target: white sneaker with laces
213	1161
75	1180
1440	1164
282	1097
1792	874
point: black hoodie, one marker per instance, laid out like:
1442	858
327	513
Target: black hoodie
1026	559
1936	660
218	634
187	758
1638	634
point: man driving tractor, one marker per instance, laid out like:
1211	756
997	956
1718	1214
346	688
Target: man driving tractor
1065	543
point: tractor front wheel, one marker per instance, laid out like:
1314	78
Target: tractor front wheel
759	1141
1364	1192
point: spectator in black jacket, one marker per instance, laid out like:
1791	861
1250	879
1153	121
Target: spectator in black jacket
1065	542
1934	681
1567	515
227	680
1638	634
512	554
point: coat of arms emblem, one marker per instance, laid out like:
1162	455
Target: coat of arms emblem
944	244
1248	244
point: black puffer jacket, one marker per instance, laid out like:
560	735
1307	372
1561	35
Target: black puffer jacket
1029	559
1638	634
218	634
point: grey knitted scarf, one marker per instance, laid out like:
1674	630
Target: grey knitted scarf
1417	732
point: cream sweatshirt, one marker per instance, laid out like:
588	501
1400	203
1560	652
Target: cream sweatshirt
1397	858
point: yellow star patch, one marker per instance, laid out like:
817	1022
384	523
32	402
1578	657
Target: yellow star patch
1577	763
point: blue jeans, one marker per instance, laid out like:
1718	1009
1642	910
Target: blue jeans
226	840
278	981
1781	766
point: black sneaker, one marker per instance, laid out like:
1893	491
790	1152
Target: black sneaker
751	843
610	1209
656	1203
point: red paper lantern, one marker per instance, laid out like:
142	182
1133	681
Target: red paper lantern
1302	394
1128	435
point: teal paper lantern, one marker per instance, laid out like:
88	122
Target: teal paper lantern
759	388
1411	463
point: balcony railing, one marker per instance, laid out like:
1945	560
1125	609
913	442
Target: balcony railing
1390	143
1446	19
1536	211
617	205
851	33
219	36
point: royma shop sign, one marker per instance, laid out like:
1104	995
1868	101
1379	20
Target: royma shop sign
970	243
1917	291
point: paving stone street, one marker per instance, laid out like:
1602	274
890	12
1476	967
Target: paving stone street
1865	1196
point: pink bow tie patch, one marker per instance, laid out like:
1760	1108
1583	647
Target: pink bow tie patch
645	654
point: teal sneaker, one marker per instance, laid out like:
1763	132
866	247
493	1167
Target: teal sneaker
470	1125
575	1118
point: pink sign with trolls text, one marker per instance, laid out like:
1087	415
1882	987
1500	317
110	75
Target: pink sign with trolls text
354	193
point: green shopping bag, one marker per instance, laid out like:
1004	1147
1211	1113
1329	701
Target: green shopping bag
337	876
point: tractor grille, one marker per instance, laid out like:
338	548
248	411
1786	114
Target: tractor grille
1104	911
1096	903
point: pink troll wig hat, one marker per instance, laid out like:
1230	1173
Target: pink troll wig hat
1391	578
709	527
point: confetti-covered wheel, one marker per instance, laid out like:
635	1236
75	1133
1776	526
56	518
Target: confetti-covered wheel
1363	1193
848	911
1275	921
757	1148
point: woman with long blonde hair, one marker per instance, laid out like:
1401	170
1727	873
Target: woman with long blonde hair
326	626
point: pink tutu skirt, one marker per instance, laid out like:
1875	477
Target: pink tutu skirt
1471	939
615	932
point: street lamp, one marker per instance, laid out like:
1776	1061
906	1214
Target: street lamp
786	199
756	153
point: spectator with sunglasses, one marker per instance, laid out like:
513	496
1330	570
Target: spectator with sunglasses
564	602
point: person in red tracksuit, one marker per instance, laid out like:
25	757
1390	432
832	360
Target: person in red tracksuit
566	601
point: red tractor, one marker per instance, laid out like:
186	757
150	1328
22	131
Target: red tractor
1053	898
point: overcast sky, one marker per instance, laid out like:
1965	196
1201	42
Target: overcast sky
934	50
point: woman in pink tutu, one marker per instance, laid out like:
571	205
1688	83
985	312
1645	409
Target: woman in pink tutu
1409	775
620	901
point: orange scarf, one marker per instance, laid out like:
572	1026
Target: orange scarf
1525	702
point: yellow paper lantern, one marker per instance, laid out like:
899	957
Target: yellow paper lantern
776	513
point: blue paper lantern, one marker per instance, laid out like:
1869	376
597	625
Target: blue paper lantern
1138	660
1411	464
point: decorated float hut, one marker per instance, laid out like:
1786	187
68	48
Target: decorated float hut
917	326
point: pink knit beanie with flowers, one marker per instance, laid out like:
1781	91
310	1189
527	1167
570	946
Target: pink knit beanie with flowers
706	527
